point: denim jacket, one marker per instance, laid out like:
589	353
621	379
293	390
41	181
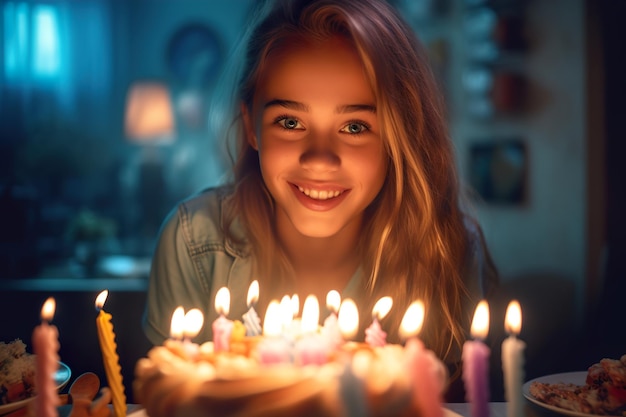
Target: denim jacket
194	258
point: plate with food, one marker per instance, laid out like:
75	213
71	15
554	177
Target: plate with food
17	376
599	391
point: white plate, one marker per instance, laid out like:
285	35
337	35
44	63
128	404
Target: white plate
61	378
577	378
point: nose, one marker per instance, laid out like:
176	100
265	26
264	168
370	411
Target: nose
319	155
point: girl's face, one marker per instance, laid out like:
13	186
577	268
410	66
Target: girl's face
315	127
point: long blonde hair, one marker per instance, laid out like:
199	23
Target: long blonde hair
414	241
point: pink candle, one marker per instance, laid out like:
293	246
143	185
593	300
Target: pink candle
222	327
476	363
311	347
374	334
274	347
45	341
427	377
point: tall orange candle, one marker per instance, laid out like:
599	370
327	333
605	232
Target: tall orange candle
109	356
45	341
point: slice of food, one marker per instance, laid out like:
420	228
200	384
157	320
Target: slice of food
17	372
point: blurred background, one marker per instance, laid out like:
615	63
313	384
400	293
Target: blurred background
103	128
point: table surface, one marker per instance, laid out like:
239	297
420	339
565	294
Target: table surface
496	409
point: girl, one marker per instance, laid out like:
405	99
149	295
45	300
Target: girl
344	179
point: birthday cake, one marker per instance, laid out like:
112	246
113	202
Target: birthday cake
357	380
312	374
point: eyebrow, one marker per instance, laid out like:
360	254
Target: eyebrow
296	105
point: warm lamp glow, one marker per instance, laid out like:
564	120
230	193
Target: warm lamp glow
253	293
513	318
101	299
48	308
193	322
310	314
348	319
222	301
272	325
149	114
178	323
480	323
382	307
413	320
333	300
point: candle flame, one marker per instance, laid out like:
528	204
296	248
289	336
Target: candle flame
101	299
310	314
348	318
193	322
48	308
253	293
382	307
295	305
513	318
286	312
222	301
480	323
413	320
272	325
333	300
178	323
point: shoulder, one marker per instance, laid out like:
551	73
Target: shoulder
199	221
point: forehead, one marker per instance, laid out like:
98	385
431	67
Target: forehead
318	69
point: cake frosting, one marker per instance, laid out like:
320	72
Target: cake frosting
185	379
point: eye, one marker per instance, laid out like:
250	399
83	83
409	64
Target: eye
355	128
289	123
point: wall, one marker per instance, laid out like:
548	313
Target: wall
546	234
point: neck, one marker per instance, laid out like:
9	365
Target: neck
322	264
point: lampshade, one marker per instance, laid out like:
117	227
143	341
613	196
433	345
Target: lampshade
149	114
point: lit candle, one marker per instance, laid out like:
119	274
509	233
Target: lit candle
330	330
476	363
513	360
427	376
222	326
273	348
45	341
192	323
348	319
177	326
311	347
375	336
109	356
251	319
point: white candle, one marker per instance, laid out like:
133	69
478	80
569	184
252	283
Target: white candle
348	319
251	319
330	330
427	378
476	363
222	327
513	360
45	341
375	336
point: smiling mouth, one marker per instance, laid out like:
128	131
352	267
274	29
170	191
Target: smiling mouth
320	194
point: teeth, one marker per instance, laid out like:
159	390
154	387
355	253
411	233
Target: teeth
319	195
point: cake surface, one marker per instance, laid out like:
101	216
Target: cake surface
182	379
17	372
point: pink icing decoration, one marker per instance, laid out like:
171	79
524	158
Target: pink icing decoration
374	335
428	381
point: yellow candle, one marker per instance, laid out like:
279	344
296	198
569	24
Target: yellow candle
46	346
109	356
